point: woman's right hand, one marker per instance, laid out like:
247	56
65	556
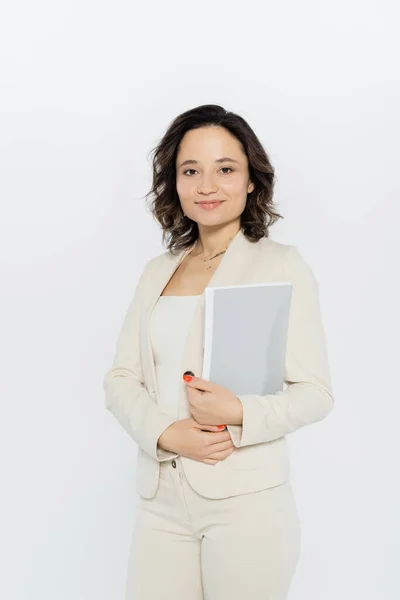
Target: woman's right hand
204	443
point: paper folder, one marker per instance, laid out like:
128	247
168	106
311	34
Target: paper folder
245	336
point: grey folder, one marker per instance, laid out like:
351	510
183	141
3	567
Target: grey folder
245	335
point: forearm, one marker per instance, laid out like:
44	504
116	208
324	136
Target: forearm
266	418
136	411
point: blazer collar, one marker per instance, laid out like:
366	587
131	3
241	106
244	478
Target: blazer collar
226	273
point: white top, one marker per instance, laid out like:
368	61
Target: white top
170	320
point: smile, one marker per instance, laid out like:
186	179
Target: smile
209	205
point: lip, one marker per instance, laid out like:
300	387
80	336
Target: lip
209	201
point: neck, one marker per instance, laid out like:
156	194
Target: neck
212	240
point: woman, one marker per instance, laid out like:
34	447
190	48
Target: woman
216	518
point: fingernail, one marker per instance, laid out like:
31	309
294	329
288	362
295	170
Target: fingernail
221	426
189	373
187	377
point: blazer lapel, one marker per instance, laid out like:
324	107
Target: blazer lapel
232	270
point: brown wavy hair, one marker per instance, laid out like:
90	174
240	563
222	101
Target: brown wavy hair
179	230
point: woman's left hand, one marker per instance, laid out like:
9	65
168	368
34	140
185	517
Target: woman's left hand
216	405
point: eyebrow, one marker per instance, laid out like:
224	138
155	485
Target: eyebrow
219	160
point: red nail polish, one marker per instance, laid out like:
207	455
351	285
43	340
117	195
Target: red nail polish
187	377
221	426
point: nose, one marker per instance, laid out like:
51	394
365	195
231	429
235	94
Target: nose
207	185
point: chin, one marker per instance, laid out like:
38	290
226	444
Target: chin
210	220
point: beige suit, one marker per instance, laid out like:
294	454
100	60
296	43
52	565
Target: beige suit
261	458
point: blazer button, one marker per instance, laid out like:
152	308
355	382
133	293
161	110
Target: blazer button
174	463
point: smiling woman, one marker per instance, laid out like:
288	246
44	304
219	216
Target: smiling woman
228	164
217	517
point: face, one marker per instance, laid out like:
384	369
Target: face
205	177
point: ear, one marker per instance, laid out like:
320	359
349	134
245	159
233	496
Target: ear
250	187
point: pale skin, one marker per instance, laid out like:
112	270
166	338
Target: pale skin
206	177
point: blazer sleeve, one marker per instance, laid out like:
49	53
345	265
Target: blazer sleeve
308	396
125	394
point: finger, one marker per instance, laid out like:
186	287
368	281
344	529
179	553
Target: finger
221	446
209	461
218	436
208	427
220	455
199	383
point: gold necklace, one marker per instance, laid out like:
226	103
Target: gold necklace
218	254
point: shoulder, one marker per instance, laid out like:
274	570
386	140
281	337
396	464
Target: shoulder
277	251
287	252
292	260
272	247
158	262
161	259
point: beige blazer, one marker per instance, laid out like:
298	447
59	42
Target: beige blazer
260	459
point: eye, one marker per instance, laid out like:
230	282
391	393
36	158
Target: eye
187	170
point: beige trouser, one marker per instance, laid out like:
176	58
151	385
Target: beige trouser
188	547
